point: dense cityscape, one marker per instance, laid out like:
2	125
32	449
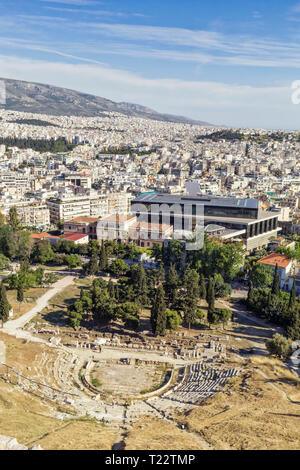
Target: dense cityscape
72	189
149	230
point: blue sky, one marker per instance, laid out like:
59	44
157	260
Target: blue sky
225	62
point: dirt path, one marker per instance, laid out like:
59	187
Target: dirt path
11	327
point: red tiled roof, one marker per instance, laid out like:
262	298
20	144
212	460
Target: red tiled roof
40	235
276	258
74	236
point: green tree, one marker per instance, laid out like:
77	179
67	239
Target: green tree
292	301
211	314
275	286
26	279
172	284
202	287
161	273
50	278
191	297
211	295
279	346
4	305
75	318
156	252
158	313
91	268
24	244
293	326
261	275
76	312
129	313
20	295
224	315
94	247
230	259
103	309
2	219
103	261
250	297
174	320
4	261
43	252
65	246
13	219
222	289
173	253
38	275
139	282
111	289
7	242
130	321
73	261
118	267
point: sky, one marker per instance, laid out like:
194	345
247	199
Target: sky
225	62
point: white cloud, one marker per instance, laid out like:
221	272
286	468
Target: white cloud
70	50
74	2
93	13
216	102
188	45
22	44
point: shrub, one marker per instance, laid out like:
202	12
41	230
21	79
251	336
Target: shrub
279	346
174	320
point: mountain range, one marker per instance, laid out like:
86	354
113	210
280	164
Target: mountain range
38	98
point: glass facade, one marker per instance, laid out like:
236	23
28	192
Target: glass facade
252	229
233	212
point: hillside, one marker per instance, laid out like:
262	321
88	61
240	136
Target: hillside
47	99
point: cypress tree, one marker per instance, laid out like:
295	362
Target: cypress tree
171	284
93	265
20	294
103	308
250	294
161	273
275	286
202	290
211	305
208	291
158	313
13	218
190	300
211	301
111	289
117	293
292	301
293	328
103	258
4	305
141	286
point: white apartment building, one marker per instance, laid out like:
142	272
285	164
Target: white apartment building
34	215
11	180
68	208
29	213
